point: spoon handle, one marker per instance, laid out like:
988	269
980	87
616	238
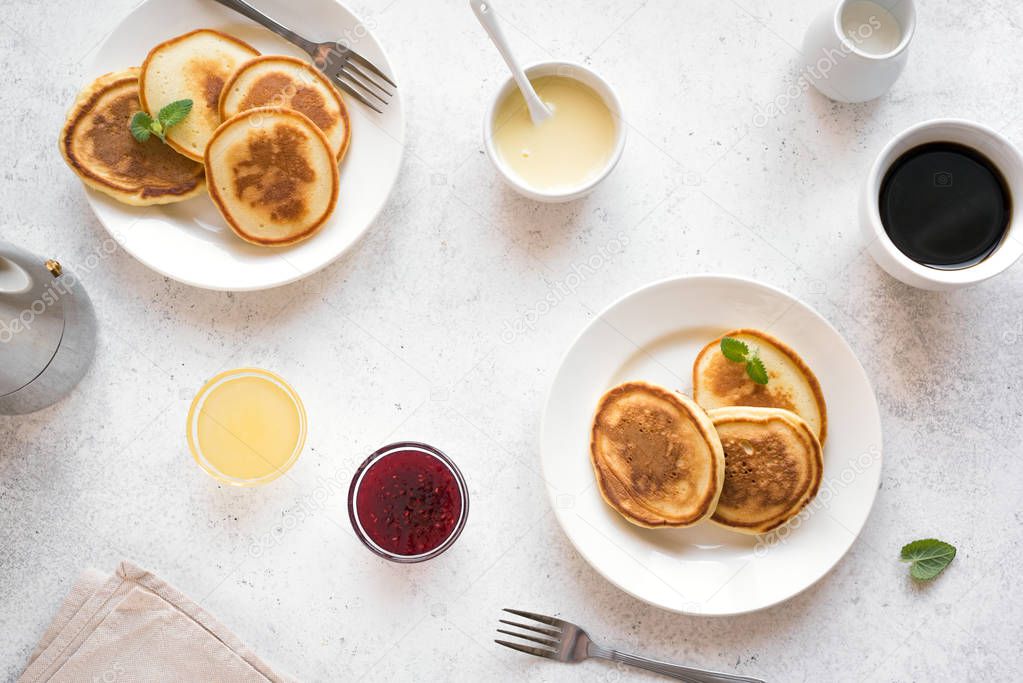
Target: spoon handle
487	16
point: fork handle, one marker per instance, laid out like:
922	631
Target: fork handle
682	673
251	12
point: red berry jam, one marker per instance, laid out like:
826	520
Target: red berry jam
408	500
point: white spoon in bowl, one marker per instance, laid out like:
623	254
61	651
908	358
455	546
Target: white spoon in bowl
484	11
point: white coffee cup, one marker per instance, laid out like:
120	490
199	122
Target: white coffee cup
853	68
1006	158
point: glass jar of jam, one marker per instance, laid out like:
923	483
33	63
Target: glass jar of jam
408	502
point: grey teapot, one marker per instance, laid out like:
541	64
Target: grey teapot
47	331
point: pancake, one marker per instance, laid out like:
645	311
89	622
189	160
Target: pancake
656	456
273	175
192	66
719	382
773	467
98	145
278	81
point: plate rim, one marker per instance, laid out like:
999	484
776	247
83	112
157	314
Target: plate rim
94	196
719	278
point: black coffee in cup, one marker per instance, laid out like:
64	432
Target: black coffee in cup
945	205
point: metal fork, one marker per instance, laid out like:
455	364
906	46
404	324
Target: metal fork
342	65
566	642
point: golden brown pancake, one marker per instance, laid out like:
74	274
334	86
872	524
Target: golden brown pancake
97	144
290	83
192	66
719	382
773	467
273	175
656	456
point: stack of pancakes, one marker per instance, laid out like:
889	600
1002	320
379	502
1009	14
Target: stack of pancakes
746	456
265	135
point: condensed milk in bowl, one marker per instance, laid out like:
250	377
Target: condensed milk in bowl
566	156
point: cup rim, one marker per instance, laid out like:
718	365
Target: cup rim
1005	254
191	426
907	33
607	93
380	454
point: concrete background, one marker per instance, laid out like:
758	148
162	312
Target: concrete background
730	167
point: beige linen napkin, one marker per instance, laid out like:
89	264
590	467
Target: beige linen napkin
134	627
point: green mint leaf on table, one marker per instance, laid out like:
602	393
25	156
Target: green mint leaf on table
143	125
738	351
756	370
140	126
734	350
929	557
174	113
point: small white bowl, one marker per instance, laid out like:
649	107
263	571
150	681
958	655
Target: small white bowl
585	76
1002	153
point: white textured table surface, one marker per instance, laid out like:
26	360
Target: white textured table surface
406	337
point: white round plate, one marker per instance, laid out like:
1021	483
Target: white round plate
189	241
654	334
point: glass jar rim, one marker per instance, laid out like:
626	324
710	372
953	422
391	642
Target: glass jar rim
195	409
379	455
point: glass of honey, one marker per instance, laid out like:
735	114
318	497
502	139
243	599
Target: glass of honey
246	427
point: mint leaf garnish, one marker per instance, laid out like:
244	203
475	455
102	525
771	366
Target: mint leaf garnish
929	557
174	113
140	126
756	370
734	350
738	351
143	125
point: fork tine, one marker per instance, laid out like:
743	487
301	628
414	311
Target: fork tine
369	65
550	621
536	629
356	94
529	650
541	641
363	76
359	82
